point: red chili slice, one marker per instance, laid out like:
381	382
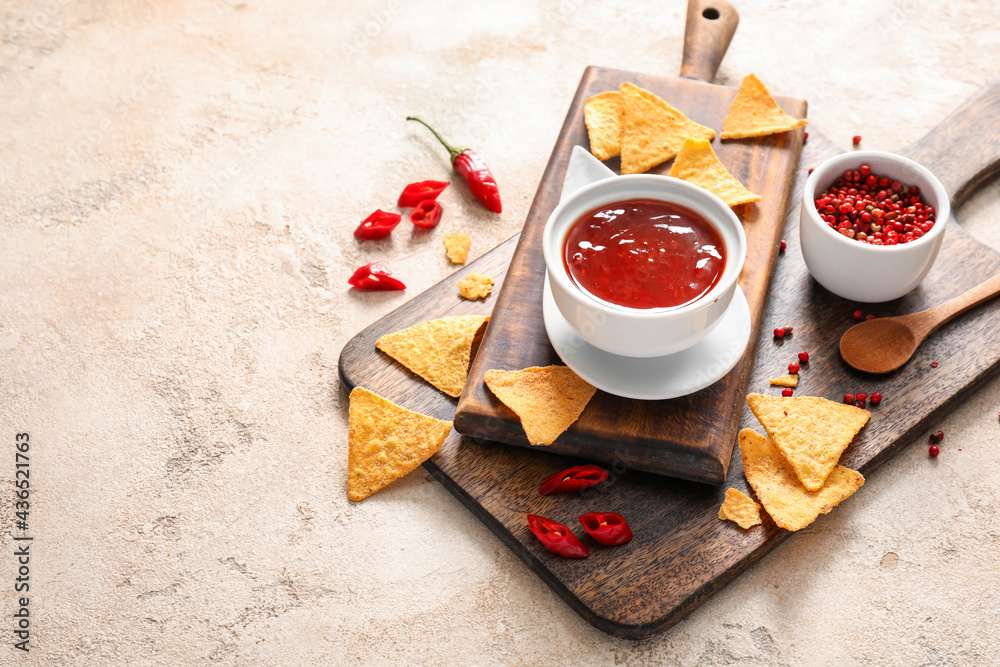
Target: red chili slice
427	214
607	528
414	193
375	276
572	479
557	537
378	225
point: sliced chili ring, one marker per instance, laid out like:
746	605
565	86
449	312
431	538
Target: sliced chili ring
414	193
375	276
572	479
427	214
608	528
557	537
378	225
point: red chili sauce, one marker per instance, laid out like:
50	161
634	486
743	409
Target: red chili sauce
644	253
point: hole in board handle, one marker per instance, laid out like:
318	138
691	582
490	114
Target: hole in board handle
711	13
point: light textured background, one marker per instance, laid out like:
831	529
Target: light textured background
179	184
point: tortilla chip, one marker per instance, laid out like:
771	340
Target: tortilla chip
475	286
457	247
811	432
437	350
385	442
773	480
652	130
754	113
603	116
790	380
739	508
697	163
547	399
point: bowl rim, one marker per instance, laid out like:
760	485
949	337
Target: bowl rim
839	162
710	201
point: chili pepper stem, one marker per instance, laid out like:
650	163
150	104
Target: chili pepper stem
452	151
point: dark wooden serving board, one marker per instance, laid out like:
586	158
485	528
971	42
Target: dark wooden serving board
670	437
682	553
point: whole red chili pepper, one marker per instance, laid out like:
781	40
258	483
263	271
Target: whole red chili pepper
375	276
607	528
472	167
414	193
427	214
572	479
378	225
557	537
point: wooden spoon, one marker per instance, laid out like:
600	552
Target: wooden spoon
885	344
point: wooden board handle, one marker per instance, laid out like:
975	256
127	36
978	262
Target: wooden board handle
707	33
964	149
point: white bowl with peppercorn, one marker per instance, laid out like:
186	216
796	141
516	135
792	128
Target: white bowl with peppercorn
871	224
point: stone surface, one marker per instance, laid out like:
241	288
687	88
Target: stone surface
180	181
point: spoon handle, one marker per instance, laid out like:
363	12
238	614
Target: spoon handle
949	309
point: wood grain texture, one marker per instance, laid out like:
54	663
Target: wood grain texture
682	553
669	437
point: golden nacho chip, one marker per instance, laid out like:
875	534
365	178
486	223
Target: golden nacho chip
385	441
547	399
811	432
790	380
602	114
457	247
652	130
739	508
475	286
697	163
774	481
754	113
436	350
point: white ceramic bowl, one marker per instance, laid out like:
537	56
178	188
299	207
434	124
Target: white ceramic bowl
861	271
633	332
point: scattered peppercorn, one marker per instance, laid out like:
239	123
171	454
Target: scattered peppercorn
805	137
934	364
779	333
858	315
870	316
804	357
940	436
934	439
859	404
862	398
848	398
793	368
875	398
811	169
856	139
788	330
933	451
786	392
782	246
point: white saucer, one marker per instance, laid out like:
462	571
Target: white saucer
658	378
